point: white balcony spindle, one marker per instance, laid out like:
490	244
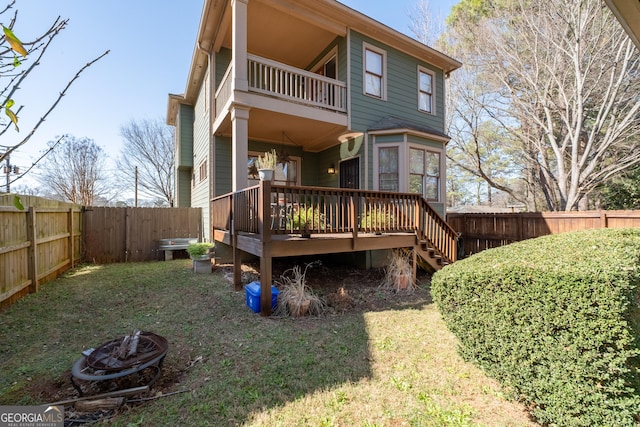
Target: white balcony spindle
282	81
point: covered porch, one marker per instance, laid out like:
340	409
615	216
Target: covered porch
271	221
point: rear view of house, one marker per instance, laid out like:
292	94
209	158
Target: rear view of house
346	102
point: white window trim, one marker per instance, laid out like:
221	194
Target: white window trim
321	63
296	158
366	46
402	166
422	69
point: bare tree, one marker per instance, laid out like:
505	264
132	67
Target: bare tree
17	61
425	25
147	155
563	80
74	171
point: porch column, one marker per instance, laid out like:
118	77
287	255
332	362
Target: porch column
239	79
239	147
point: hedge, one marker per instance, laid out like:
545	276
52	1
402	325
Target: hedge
556	321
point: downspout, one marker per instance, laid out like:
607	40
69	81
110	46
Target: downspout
212	113
212	140
443	161
211	154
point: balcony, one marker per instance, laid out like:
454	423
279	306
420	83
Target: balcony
287	83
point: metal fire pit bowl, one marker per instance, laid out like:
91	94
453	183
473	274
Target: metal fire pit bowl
107	362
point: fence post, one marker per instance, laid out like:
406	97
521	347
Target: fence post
70	243
33	250
127	235
604	221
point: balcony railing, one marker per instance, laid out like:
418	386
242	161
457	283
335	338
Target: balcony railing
288	83
293	84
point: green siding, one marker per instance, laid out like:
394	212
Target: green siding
438	207
413	139
222	168
402	89
323	160
223	59
184	153
310	170
183	188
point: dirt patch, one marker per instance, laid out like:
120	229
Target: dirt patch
344	287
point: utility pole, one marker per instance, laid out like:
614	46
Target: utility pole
136	186
8	169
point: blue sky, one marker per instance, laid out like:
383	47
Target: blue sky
151	44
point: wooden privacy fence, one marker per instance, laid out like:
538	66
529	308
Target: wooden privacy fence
36	245
39	243
132	234
488	230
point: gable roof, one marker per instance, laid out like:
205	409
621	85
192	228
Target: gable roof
328	18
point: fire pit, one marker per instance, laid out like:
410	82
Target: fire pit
120	358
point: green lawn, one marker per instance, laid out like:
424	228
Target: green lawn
389	362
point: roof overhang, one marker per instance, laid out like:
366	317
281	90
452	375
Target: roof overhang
628	13
172	108
410	131
328	18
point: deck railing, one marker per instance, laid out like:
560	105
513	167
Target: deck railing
319	210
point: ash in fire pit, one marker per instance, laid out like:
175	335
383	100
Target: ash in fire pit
120	358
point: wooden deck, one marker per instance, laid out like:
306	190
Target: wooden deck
270	221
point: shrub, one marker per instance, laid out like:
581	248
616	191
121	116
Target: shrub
306	219
199	249
556	321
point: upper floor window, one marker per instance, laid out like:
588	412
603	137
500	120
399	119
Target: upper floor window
374	72
425	90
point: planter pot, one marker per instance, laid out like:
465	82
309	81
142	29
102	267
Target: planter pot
402	281
265	174
298	309
202	263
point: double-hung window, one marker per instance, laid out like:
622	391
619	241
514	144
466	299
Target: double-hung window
425	90
424	173
388	161
374	72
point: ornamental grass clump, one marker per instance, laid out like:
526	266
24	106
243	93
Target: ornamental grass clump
296	299
556	321
399	272
268	160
